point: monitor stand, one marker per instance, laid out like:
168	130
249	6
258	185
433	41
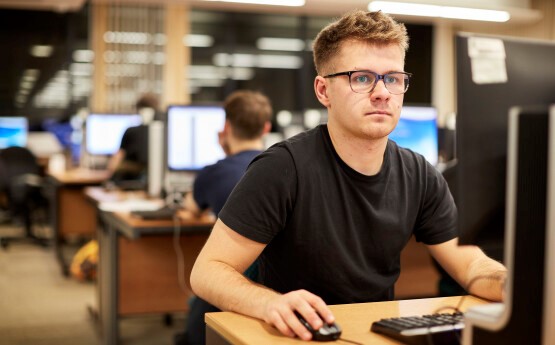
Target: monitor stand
527	314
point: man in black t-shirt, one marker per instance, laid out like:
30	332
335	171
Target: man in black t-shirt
328	211
131	160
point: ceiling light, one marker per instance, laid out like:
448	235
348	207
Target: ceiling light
198	41
261	61
31	74
83	55
41	50
286	44
267	2
414	9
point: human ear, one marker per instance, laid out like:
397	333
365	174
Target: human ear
320	88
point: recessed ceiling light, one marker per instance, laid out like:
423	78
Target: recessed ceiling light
41	50
278	43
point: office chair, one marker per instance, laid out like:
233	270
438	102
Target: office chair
21	187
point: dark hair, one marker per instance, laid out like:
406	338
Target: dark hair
247	113
148	100
372	27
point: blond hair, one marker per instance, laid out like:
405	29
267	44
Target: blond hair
371	27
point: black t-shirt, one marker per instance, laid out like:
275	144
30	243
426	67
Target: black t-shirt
135	144
215	182
331	230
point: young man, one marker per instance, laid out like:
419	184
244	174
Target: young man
328	212
248	115
131	160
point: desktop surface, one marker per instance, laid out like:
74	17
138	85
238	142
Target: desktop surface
354	319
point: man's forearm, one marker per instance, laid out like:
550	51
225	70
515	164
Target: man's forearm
229	290
486	278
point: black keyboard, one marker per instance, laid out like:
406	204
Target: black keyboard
161	213
436	329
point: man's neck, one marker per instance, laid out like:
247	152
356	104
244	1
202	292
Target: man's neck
236	146
363	155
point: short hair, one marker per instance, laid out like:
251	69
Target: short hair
147	100
247	112
371	27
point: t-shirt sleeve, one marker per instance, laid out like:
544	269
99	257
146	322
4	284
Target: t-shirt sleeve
125	140
258	206
438	215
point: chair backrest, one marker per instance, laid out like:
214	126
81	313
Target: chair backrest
17	161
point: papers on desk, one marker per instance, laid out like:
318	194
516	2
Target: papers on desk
131	205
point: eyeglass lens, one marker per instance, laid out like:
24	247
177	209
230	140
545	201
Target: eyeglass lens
364	82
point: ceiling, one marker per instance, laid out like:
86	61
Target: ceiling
24	23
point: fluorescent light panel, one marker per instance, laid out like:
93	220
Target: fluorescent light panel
267	2
414	9
285	44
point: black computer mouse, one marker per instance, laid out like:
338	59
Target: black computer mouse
328	332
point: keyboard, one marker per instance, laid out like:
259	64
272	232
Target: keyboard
436	329
161	213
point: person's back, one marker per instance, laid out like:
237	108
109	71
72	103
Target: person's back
248	117
131	160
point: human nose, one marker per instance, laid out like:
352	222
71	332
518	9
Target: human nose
380	91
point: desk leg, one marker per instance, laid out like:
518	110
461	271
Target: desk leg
213	338
55	223
107	284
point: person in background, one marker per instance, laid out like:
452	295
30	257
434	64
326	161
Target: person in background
327	213
131	160
248	118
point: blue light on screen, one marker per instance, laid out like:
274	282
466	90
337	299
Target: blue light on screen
13	131
417	131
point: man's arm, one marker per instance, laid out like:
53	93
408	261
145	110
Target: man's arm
471	268
116	160
217	278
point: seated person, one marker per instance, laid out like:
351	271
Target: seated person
248	116
327	212
131	160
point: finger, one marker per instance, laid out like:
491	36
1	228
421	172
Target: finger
296	326
320	307
277	321
309	314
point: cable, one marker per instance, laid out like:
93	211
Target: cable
457	308
179	254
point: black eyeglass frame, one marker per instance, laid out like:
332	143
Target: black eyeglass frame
376	80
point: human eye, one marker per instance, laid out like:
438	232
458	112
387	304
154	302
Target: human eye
394	78
362	78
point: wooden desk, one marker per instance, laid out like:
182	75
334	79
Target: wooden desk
354	319
72	216
138	271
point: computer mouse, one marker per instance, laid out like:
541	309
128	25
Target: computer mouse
328	332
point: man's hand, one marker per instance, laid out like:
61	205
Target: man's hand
280	313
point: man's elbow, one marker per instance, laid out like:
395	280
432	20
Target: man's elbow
195	279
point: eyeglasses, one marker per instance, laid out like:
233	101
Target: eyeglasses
365	81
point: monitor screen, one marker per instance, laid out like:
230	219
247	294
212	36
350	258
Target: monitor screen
493	75
417	131
193	136
103	132
13	131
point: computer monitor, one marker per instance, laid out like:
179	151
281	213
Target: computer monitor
13	131
103	132
192	136
417	130
494	74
